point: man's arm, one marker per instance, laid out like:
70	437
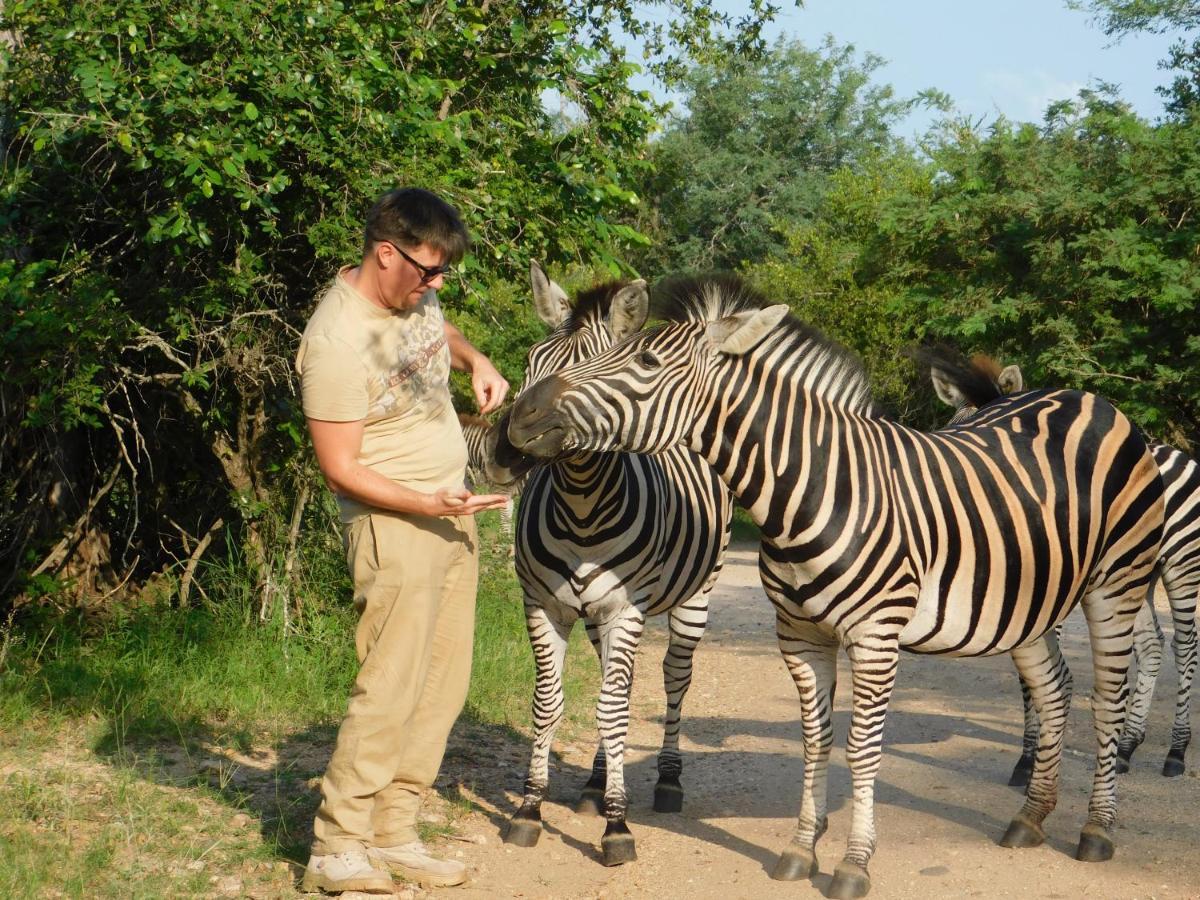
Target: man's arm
337	445
489	385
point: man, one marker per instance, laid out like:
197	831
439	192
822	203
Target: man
374	365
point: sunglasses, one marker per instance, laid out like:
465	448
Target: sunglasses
428	273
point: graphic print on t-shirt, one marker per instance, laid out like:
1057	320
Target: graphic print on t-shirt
422	366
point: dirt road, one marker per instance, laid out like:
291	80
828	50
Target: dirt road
942	800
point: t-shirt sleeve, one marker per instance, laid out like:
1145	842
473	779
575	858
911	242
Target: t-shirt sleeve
333	380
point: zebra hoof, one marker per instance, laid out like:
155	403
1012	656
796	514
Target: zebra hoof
1022	833
1094	844
1021	772
849	882
795	865
1122	765
591	802
523	831
1173	765
617	846
668	796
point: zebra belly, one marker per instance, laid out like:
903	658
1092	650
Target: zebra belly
952	624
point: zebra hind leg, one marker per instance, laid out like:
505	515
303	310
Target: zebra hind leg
591	795
1045	675
686	624
1148	643
619	638
1183	591
811	657
549	641
1110	611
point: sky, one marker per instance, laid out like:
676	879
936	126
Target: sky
1009	57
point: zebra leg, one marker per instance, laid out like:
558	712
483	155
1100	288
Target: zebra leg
591	796
686	623
1045	674
1024	767
1148	642
549	641
1182	594
1110	614
506	526
873	666
619	638
811	657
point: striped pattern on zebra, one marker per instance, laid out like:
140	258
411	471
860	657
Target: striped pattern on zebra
982	381
610	538
971	541
477	433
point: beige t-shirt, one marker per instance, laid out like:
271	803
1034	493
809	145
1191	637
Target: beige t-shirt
391	369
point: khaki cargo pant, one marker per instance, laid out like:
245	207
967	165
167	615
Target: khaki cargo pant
414	588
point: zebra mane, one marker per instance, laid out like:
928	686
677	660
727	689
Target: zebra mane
595	300
828	368
468	420
977	378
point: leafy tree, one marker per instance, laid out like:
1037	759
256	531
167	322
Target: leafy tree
755	148
1121	17
826	277
1069	248
181	178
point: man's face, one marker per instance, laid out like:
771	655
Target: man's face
405	273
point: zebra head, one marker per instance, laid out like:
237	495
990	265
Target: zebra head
647	392
599	318
967	385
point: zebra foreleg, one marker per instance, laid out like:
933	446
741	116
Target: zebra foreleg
1045	675
1182	593
549	641
1024	767
1148	642
591	796
873	664
811	658
619	638
686	623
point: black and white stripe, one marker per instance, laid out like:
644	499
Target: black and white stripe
972	541
610	538
969	386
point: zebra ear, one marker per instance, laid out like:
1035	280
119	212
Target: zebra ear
1011	380
947	391
629	308
549	300
741	332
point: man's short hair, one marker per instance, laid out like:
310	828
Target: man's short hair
413	216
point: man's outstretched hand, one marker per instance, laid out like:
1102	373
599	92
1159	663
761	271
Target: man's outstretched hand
461	502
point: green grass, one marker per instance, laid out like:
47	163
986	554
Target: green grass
130	742
744	529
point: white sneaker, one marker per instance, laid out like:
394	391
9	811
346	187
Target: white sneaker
414	862
350	870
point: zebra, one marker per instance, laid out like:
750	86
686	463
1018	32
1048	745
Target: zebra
981	382
971	541
476	432
610	538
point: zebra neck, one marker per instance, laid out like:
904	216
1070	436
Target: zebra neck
581	479
787	452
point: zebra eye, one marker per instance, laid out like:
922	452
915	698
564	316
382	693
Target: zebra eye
648	359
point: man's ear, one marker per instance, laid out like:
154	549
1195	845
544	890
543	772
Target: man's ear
629	308
549	300
1011	380
739	333
946	389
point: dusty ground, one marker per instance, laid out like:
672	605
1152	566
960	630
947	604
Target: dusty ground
942	799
